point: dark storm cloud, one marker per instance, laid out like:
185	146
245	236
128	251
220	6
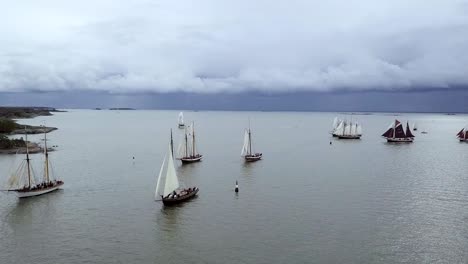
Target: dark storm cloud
233	46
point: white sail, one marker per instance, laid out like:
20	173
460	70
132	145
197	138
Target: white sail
352	129
359	130
335	123
347	129
339	131
181	119
161	182
172	183
245	147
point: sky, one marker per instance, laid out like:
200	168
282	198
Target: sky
126	49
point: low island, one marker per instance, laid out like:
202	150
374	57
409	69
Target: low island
8	126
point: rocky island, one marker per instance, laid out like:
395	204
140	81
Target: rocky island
8	126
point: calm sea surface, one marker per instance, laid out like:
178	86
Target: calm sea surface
307	201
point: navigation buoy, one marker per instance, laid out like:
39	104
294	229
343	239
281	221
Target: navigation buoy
237	187
330	142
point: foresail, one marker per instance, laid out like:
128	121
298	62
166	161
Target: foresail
339	131
245	147
181	118
161	182
172	183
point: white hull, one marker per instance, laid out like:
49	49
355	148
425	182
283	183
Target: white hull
37	192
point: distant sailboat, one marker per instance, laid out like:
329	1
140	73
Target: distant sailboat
463	135
395	133
23	181
168	187
181	120
246	151
415	127
348	130
187	149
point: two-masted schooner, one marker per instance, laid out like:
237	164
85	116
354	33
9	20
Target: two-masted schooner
396	133
348	130
168	186
181	120
187	148
246	151
463	135
23	182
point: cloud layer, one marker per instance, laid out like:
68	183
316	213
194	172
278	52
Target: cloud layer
233	46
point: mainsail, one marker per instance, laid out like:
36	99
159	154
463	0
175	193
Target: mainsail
167	182
181	119
245	147
396	131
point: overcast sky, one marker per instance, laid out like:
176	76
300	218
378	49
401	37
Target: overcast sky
233	46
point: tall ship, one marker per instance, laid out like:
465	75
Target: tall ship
396	133
246	151
23	182
168	187
463	135
187	149
181	120
348	130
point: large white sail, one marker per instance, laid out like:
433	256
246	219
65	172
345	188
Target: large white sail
347	129
335	123
161	181
353	129
339	131
245	147
172	183
181	119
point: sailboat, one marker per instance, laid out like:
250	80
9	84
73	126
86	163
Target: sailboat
187	148
463	135
415	127
246	151
348	130
168	186
23	181
395	133
181	120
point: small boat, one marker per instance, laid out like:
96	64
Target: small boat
168	188
246	151
181	120
23	182
423	132
187	148
463	135
415	128
348	130
396	134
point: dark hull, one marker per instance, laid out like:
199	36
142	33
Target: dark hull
463	139
349	137
181	126
252	158
186	160
400	140
180	199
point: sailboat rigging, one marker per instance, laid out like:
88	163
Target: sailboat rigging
168	186
246	151
187	148
23	181
396	133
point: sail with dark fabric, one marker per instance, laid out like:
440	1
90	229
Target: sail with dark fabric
461	133
399	132
388	133
408	131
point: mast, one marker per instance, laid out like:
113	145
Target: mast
172	145
186	143
46	153
250	140
27	158
394	129
193	139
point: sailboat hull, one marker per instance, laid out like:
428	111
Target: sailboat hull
252	158
400	140
181	125
186	160
180	199
349	137
463	139
25	194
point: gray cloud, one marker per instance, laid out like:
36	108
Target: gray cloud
233	46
